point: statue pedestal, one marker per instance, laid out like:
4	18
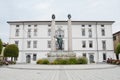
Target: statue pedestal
60	54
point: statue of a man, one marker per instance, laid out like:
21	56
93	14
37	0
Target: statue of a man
59	41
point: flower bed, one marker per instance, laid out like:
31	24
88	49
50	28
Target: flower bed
113	61
81	60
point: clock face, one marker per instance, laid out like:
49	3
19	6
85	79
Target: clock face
53	16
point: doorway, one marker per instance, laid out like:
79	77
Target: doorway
28	59
91	58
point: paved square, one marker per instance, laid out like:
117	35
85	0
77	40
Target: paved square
60	72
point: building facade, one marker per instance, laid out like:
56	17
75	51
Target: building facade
91	39
116	39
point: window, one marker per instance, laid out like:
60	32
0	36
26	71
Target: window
102	25
90	44
34	44
35	32
103	32
17	32
17	42
83	32
103	45
28	44
29	33
49	32
49	44
114	37
90	32
83	25
17	25
83	44
34	57
49	25
84	54
104	56
89	25
29	25
35	25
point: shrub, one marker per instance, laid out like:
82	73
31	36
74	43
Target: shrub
72	61
40	61
60	61
82	60
45	61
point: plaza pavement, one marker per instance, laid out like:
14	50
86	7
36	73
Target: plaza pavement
60	72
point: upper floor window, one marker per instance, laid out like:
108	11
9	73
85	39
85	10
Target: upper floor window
102	25
49	32
83	25
35	32
34	44
103	32
90	44
17	32
49	25
29	25
103	45
83	32
28	44
35	25
17	43
114	37
89	25
90	32
49	44
29	33
17	25
83	44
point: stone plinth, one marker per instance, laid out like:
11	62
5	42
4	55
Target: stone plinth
60	54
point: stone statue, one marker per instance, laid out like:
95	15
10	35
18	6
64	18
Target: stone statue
59	41
53	16
69	16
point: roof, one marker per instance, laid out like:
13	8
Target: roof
116	33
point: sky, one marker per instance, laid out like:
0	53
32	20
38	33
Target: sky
87	10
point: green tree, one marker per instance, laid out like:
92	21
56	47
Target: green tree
117	51
11	51
0	46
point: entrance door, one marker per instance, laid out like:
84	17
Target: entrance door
91	58
28	59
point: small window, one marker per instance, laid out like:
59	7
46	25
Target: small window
49	25
35	25
29	33
83	44
90	44
28	44
114	37
83	32
83	25
17	42
34	44
17	25
35	32
29	25
84	54
49	32
103	32
49	44
90	32
102	25
34	57
17	32
103	45
89	25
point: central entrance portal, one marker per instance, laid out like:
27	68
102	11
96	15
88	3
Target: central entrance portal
28	59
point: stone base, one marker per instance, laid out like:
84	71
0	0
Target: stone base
60	54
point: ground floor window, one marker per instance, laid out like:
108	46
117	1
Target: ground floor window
34	57
84	54
104	56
